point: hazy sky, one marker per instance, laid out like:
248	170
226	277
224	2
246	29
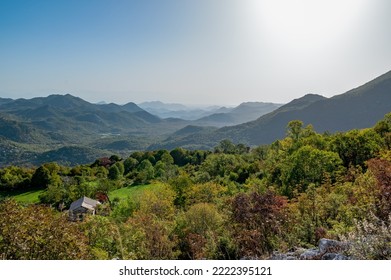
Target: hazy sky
191	51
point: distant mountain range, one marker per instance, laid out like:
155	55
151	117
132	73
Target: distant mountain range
358	108
245	112
180	111
69	130
211	115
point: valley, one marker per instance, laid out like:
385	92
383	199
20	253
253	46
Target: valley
69	130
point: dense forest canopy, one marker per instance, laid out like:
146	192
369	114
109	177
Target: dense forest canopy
234	202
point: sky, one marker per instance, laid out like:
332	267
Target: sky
220	52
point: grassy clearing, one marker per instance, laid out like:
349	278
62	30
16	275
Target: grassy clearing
32	197
24	197
125	192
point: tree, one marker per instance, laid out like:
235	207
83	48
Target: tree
295	129
180	156
158	202
258	222
39	233
199	229
204	193
145	172
146	237
148	232
381	169
114	172
104	238
226	147
53	195
165	168
180	185
308	165
383	128
13	178
357	146
130	164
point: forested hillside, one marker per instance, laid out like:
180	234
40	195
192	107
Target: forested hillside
33	131
234	202
358	108
71	131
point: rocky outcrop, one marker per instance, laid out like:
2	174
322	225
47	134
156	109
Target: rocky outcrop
327	249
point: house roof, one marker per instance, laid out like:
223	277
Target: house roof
85	202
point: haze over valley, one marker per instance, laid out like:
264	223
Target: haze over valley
70	130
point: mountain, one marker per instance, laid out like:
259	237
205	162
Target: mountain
5	100
180	111
39	128
71	130
69	114
158	105
358	108
245	112
212	115
183	138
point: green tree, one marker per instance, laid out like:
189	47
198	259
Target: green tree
165	168
357	146
383	128
130	164
114	172
145	172
180	186
148	233
295	129
180	156
13	178
226	147
307	166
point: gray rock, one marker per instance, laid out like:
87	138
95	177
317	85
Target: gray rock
328	249
287	256
329	256
334	257
311	254
331	246
340	257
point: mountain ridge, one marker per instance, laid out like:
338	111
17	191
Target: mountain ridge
33	130
244	112
358	108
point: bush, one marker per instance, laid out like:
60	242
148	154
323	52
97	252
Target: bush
370	240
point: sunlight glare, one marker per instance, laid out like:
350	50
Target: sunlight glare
303	24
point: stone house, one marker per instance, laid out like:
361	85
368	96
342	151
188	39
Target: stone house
81	207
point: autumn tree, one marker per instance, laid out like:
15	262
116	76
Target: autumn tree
381	169
199	229
258	220
39	233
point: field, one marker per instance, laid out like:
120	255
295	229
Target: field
29	197
125	192
32	197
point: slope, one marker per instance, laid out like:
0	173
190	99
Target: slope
358	108
245	112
